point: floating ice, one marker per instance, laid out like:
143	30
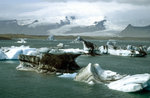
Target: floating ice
74	51
22	40
2	55
121	52
68	75
132	83
148	50
60	45
95	74
13	52
43	50
23	68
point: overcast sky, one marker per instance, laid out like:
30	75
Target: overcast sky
119	13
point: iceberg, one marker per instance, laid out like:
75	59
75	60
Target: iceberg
112	49
22	40
74	51
60	45
148	50
68	75
13	52
121	52
49	63
93	73
43	50
103	49
132	83
2	55
51	38
77	40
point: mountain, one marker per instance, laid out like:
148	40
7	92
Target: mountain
136	31
32	28
37	27
98	26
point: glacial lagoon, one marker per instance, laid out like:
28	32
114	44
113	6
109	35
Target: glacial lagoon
22	84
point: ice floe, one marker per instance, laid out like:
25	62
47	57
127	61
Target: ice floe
132	83
2	55
148	50
112	49
22	40
68	75
13	52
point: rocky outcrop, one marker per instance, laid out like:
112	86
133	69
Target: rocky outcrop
47	63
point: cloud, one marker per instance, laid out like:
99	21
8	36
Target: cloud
119	13
134	2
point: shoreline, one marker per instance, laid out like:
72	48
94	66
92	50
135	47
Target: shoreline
13	36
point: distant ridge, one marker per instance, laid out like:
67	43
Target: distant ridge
33	28
136	31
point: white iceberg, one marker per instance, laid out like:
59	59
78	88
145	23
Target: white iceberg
13	52
95	74
77	40
148	50
2	55
132	83
68	75
103	49
43	50
22	40
70	50
121	52
60	45
74	51
51	38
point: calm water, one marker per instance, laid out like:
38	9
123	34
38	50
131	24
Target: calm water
20	84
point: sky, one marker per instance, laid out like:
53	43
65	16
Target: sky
118	13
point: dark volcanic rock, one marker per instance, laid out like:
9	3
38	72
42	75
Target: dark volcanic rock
62	63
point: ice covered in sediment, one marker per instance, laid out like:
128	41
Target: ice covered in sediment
132	83
23	68
2	55
93	73
68	75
